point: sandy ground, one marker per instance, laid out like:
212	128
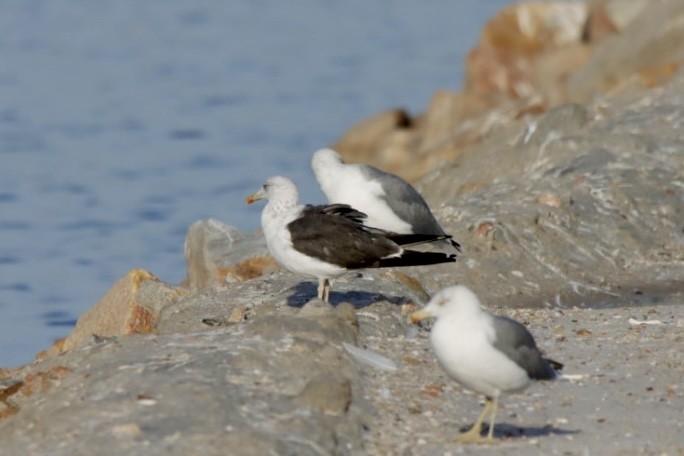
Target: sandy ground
622	392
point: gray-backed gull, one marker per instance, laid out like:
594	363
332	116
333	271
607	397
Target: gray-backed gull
391	203
485	353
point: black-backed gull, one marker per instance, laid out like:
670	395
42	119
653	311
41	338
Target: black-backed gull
328	240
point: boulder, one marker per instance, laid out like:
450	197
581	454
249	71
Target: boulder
647	52
374	140
274	382
503	62
532	56
610	17
578	207
116	314
216	254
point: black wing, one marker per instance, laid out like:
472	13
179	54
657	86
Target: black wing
358	217
341	210
336	234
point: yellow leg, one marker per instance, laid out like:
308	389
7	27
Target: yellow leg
490	435
473	434
324	289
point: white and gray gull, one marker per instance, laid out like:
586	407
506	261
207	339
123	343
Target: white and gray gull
328	240
390	202
485	353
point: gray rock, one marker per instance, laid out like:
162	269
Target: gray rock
268	384
155	295
572	211
328	393
214	252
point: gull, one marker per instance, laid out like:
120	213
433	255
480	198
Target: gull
390	202
485	353
326	241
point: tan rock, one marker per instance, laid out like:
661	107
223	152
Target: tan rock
365	141
533	27
55	349
441	120
249	268
503	83
116	314
649	49
7	405
41	381
553	69
531	57
491	72
609	17
503	62
396	154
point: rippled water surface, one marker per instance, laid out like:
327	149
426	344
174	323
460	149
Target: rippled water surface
123	122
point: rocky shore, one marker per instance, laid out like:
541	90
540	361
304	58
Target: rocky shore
560	169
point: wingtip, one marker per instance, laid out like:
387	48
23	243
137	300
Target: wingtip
555	364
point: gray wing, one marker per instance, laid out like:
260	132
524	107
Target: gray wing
516	342
358	218
405	201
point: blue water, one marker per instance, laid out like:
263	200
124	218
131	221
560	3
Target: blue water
123	122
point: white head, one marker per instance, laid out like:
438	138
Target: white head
458	302
278	190
325	163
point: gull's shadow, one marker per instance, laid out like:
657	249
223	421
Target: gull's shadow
306	291
509	431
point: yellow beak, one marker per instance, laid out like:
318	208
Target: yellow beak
419	315
255	196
